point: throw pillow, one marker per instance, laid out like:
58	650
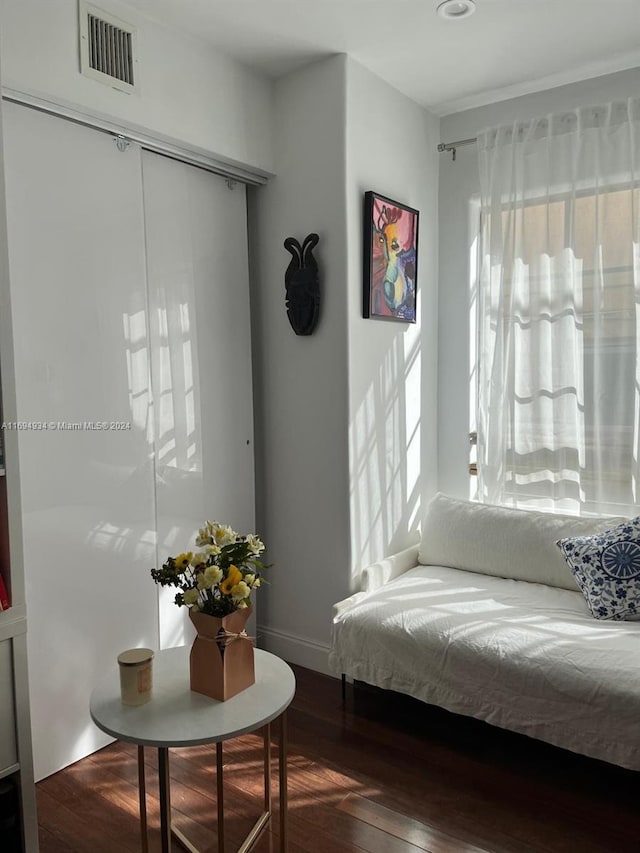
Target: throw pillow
606	567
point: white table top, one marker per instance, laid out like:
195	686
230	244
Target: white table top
176	716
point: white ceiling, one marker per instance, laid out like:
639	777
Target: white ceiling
507	48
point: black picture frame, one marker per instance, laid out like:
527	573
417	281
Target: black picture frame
390	263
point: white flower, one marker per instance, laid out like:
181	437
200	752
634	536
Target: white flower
240	591
242	605
256	545
252	581
212	549
222	534
204	536
199	559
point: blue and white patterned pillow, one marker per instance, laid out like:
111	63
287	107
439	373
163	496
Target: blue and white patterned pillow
606	567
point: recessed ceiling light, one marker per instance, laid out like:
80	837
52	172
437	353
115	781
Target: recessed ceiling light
456	9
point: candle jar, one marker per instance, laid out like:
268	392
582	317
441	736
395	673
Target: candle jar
135	676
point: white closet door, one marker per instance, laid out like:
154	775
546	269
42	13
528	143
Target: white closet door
196	237
76	239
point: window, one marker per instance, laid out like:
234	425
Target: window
558	320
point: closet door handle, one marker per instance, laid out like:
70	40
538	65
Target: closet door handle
473	441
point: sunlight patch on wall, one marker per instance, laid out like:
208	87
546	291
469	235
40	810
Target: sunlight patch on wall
177	434
137	356
385	448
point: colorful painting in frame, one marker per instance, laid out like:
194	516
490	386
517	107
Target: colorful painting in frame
390	259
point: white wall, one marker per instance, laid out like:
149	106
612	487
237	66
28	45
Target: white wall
301	402
346	417
188	91
391	148
459	183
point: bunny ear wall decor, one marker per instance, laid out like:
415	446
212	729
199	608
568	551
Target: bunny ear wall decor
302	285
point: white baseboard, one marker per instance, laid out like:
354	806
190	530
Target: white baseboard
294	649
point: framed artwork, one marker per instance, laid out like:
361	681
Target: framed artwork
390	259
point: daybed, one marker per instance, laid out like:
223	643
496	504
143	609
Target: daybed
487	618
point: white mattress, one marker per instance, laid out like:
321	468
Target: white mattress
519	655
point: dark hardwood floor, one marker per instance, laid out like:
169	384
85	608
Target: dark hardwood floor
384	775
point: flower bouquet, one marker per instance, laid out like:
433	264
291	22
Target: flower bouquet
218	579
215	583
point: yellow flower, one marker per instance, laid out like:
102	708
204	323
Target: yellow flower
240	591
199	559
212	575
183	560
234	576
209	577
191	596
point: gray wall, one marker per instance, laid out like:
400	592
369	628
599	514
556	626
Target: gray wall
301	398
345	419
459	184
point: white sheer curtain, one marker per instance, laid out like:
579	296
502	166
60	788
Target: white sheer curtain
559	322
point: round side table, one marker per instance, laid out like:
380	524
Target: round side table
177	717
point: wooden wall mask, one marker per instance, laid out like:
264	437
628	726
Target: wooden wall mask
302	285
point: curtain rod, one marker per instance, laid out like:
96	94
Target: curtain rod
451	146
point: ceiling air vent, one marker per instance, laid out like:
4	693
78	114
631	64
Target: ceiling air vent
107	48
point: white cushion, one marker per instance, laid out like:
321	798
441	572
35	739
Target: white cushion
501	541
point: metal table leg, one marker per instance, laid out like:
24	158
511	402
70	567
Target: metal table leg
220	794
142	794
282	760
267	767
165	798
